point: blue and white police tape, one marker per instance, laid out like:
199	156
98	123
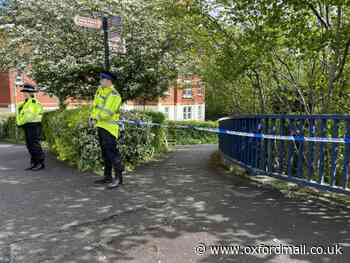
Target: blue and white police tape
295	138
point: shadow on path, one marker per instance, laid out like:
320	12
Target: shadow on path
164	210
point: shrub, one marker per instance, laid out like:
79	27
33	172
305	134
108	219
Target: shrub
184	136
156	117
3	121
69	137
8	128
160	141
192	136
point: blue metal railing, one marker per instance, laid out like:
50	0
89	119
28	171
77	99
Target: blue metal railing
311	150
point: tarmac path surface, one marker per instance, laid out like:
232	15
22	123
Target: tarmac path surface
166	209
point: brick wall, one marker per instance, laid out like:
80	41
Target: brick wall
184	100
7	92
175	94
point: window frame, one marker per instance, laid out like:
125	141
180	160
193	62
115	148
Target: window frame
187	113
187	89
200	115
166	112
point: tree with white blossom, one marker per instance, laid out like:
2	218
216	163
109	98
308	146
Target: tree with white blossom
65	59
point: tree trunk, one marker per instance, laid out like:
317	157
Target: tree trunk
62	103
258	86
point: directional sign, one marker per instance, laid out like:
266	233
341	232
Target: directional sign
112	41
114	36
95	23
119	50
115	21
118	47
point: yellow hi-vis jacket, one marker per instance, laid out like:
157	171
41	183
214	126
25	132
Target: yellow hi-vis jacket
29	111
105	109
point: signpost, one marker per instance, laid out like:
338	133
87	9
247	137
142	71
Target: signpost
105	37
105	24
117	46
88	22
115	21
114	36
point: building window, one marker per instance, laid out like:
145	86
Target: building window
187	89
166	112
187	110
200	115
187	93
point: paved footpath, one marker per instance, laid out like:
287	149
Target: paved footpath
163	211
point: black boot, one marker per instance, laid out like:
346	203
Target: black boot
117	181
38	167
107	175
106	179
103	181
118	168
114	184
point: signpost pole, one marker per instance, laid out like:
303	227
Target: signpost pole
106	44
106	23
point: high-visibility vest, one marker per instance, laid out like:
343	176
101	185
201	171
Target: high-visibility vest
105	109
29	111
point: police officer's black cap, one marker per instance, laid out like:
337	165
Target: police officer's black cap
107	75
29	88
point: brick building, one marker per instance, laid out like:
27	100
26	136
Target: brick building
185	100
9	96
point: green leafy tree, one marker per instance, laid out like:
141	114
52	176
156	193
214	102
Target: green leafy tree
269	56
65	59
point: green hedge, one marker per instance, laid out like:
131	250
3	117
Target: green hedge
3	121
181	136
69	137
8	128
185	136
191	136
160	140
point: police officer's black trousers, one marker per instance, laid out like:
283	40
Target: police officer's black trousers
110	154
32	132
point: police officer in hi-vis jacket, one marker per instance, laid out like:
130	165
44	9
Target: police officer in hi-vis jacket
105	116
28	116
